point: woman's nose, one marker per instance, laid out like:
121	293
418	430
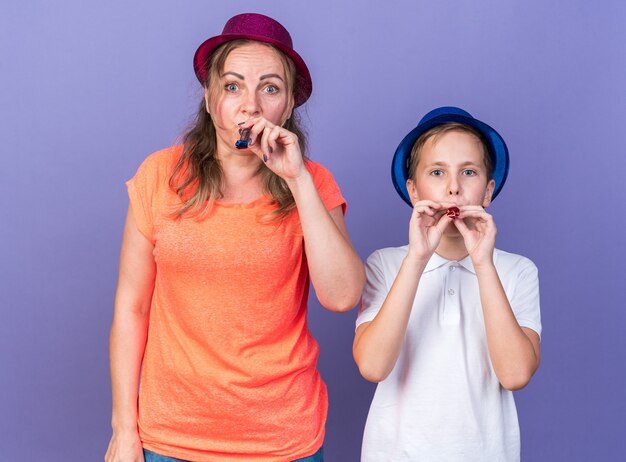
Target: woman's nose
251	104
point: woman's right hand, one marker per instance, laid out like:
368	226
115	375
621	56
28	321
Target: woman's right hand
124	447
428	221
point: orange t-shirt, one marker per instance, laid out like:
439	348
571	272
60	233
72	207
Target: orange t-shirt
229	371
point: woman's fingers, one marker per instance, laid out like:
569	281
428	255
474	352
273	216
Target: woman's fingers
265	142
277	135
266	138
273	137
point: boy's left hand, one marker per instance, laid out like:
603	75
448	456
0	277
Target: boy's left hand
479	233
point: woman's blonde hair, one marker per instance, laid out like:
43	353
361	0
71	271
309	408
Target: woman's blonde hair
197	177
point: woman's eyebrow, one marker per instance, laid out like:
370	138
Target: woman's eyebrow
267	76
239	76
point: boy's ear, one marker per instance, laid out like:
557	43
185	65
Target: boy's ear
488	193
410	186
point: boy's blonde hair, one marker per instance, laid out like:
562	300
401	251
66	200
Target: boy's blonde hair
440	130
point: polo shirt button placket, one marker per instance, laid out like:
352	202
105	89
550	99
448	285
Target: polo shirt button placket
452	311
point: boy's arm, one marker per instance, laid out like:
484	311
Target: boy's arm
377	343
514	350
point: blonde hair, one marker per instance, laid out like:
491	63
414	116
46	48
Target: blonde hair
437	132
197	177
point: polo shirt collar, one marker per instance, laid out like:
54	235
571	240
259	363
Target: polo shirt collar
467	264
437	261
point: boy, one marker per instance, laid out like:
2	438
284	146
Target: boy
448	325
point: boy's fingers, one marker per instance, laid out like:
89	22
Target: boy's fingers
440	213
429	203
478	214
443	222
461	226
423	209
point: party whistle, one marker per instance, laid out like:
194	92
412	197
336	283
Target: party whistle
453	212
244	141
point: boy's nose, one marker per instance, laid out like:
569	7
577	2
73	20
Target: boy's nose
453	188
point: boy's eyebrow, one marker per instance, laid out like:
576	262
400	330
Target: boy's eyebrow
445	164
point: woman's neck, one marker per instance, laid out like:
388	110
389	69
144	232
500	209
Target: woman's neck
240	176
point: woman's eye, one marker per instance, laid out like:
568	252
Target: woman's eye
231	87
271	89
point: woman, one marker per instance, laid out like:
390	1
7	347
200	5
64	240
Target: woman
218	248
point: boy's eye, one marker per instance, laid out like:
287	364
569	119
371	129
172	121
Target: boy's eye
437	172
231	87
271	89
469	172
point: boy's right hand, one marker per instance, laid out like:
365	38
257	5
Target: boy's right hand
428	221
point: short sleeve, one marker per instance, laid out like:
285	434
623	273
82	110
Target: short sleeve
142	190
375	291
525	299
326	187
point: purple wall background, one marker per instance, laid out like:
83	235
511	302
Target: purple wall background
88	89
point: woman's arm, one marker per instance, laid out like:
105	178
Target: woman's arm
336	270
128	339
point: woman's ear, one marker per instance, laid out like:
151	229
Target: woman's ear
410	187
488	193
288	111
206	100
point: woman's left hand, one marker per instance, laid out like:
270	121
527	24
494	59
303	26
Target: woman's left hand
277	147
479	233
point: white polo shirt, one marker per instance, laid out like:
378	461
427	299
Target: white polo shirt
442	401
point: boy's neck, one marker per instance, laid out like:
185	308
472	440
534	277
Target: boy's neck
451	248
